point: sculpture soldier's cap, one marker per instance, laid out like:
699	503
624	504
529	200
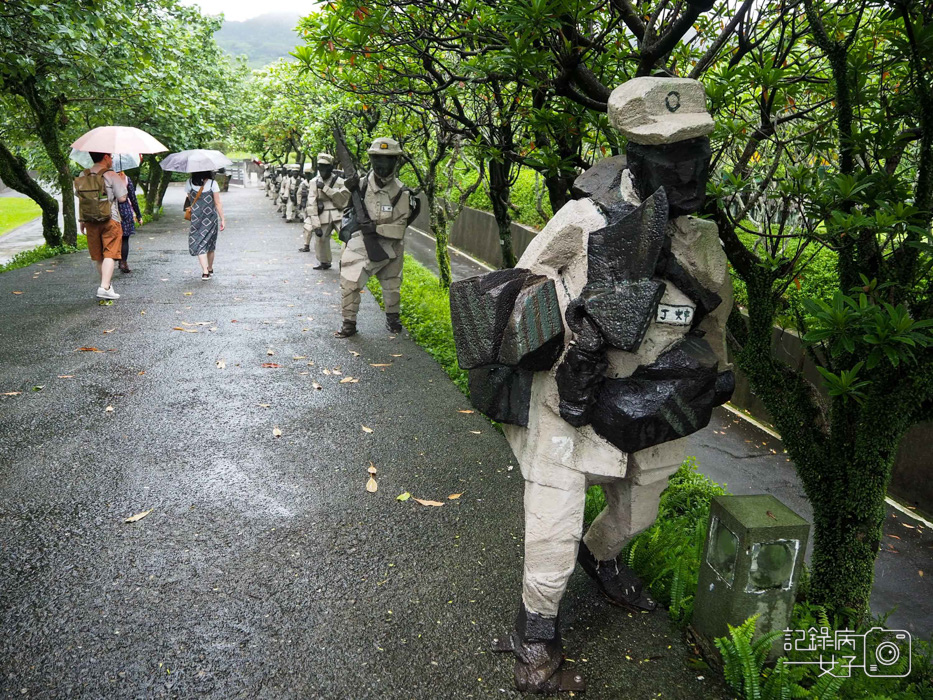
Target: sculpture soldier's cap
385	147
325	159
657	111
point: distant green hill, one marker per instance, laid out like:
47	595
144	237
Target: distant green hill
262	39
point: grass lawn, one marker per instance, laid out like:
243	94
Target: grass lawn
16	211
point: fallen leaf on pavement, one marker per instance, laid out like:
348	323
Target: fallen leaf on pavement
316	386
109	409
464	411
221	364
12	393
365	429
38	387
385	365
138	516
327	372
188	294
354	353
454	496
299	357
428	503
311	364
88	350
141	373
265	405
270	351
403	496
203	323
396	355
110	330
66	376
349	380
269	365
371	485
372	468
276	432
476	432
185	330
185	323
17	292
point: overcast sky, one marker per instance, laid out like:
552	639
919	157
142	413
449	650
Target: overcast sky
244	9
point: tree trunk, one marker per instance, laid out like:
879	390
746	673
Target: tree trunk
164	182
47	126
441	231
13	172
499	194
558	190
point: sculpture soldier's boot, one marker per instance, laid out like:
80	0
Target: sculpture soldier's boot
346	330
305	249
617	582
393	323
539	654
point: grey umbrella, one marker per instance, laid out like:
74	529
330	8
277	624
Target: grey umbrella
195	160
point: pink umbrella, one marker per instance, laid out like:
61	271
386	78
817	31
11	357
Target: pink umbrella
118	139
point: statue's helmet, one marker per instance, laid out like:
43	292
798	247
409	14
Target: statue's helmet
325	159
385	147
660	111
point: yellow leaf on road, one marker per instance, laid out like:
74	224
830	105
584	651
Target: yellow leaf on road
372	468
396	355
384	365
464	411
138	516
365	429
270	352
316	386
349	380
371	485
428	503
299	357
12	393
185	330
17	293
327	372
109	409
221	364
66	376
111	330
454	496
276	432
266	405
188	294
476	432
403	496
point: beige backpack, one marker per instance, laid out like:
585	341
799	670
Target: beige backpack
91	190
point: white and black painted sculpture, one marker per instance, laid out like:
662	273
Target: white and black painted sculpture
599	353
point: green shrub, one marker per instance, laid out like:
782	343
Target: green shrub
667	555
42	252
798	674
523	197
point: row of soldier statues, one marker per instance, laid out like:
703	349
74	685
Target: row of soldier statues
598	354
375	240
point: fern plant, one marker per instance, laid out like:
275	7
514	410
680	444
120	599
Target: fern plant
744	659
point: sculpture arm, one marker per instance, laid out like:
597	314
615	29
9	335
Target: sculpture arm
311	209
338	194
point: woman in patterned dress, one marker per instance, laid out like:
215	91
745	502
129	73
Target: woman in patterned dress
207	219
129	217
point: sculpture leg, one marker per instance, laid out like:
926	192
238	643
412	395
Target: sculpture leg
630	509
354	272
553	522
322	244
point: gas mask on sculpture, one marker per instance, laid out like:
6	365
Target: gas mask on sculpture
384	167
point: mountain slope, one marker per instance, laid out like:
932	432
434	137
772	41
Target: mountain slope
261	39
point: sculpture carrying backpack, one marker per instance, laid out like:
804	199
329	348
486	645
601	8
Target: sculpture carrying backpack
91	191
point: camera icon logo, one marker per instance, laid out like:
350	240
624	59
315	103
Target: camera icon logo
886	653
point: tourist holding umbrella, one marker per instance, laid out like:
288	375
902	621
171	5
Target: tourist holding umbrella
100	191
130	215
206	211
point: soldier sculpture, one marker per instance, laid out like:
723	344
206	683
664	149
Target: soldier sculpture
599	352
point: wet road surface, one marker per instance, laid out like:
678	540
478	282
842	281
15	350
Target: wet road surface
264	569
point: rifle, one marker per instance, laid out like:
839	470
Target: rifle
374	251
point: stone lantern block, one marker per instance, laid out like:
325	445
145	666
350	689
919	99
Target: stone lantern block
751	565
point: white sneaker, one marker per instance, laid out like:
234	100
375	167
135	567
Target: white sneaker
107	293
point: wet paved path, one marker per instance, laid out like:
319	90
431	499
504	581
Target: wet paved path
265	569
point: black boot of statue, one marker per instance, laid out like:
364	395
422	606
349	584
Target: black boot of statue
393	323
539	653
616	581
